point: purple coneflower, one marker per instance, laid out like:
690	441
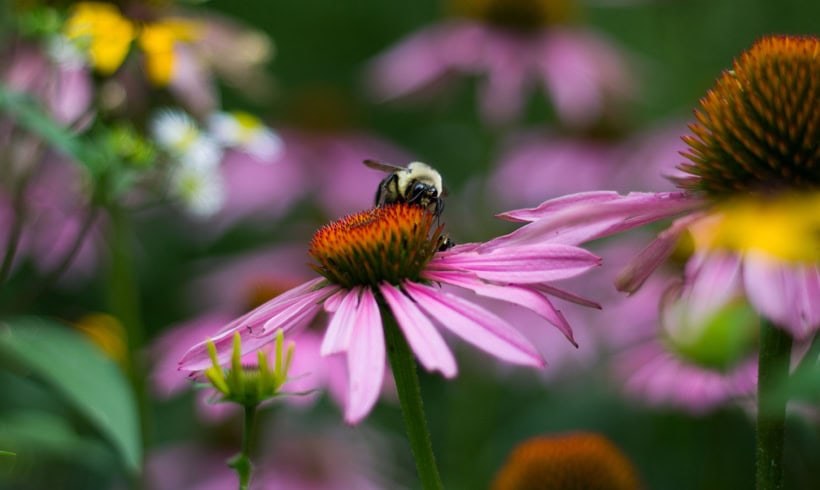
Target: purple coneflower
386	262
752	186
512	46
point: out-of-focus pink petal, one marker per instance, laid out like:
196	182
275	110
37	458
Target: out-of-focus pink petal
341	326
192	82
71	96
632	277
787	294
503	91
521	296
582	72
410	66
421	335
365	359
525	264
476	325
598	217
713	279
291	310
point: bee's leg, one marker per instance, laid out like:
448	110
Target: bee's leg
445	243
387	192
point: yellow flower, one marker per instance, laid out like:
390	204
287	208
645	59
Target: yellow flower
157	40
101	33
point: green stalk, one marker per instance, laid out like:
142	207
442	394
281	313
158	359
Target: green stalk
772	371
407	384
241	463
124	302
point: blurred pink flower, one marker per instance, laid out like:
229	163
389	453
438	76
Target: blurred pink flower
699	358
326	166
351	296
56	211
534	166
64	87
581	72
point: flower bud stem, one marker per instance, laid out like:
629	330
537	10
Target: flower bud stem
241	463
407	384
773	369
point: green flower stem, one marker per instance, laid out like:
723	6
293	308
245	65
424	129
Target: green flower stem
407	383
773	369
241	463
124	302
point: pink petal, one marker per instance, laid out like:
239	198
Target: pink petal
410	66
365	359
421	335
476	325
558	204
639	268
788	294
506	60
567	296
521	296
341	325
291	310
522	264
597	217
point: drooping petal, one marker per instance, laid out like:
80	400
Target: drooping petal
291	310
518	295
597	217
421	335
340	328
640	267
566	295
788	294
365	359
525	264
476	325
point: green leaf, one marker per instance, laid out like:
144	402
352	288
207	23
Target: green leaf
27	113
7	453
78	371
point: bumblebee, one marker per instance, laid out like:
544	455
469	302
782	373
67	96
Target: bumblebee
417	183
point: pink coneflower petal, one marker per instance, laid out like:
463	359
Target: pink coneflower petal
365	358
567	296
788	294
640	267
333	302
525	264
502	93
341	325
524	297
411	66
425	341
475	325
292	309
599	216
558	204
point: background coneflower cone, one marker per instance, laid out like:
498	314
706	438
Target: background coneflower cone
578	461
758	128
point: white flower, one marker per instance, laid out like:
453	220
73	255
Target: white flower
246	132
199	187
65	53
174	130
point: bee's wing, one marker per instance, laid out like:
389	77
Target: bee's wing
384	167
